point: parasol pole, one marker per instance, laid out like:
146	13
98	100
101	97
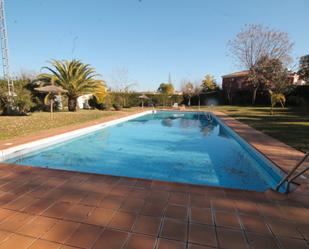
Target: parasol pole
51	105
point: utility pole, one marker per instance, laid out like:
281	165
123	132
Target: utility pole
5	54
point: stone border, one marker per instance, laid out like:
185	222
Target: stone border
280	154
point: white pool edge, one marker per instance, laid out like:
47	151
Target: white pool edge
26	148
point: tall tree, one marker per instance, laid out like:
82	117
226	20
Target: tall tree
304	68
187	89
209	83
75	77
166	89
229	90
198	90
122	84
272	75
256	42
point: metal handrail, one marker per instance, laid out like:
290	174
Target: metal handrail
298	174
286	178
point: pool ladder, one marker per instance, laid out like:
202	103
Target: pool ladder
289	177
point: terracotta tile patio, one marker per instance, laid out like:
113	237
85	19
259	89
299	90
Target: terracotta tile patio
45	208
222	220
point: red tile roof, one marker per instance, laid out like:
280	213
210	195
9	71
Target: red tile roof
236	74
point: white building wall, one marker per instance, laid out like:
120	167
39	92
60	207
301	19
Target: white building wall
82	100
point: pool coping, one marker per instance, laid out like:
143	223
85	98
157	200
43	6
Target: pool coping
280	154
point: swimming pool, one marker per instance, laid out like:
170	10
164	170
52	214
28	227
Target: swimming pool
185	147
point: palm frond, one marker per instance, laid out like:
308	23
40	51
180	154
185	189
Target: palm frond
47	98
75	77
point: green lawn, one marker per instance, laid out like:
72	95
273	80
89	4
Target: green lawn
289	125
12	127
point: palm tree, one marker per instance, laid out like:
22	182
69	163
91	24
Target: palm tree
76	78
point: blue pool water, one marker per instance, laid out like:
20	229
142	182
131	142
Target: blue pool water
168	146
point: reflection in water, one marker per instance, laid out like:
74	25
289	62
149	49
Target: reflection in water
208	130
139	120
222	132
207	127
185	123
191	120
167	122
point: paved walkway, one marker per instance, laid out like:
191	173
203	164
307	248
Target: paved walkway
284	156
46	209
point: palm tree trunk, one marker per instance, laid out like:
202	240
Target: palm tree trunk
72	103
272	109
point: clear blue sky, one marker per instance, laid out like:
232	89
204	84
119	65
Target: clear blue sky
150	38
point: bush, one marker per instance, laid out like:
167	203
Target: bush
132	100
37	97
242	97
214	97
117	107
105	106
296	101
299	96
22	101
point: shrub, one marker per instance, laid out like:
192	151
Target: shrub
242	97
22	101
117	107
132	99
299	96
93	103
296	101
105	105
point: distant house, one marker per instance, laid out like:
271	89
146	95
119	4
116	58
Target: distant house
296	80
237	81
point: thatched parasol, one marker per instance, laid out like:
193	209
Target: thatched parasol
51	89
143	97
